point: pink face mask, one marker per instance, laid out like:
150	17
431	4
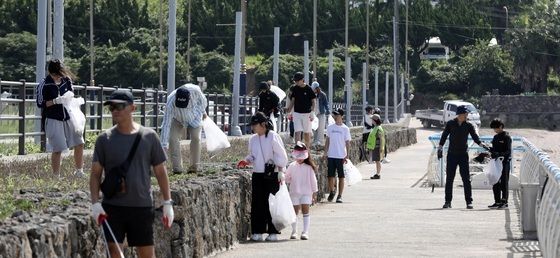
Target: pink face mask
300	154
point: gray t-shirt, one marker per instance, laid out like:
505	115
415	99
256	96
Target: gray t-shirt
112	149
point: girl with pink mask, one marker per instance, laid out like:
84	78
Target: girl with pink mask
300	176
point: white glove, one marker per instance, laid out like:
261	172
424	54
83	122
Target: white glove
311	116
281	177
64	99
168	214
98	213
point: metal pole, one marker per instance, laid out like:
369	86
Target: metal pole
314	40
367	38
160	45
331	70
91	50
171	45
243	29
306	61
386	121
189	79
364	85
406	42
346	31
276	59
376	86
402	102
58	50
49	29
348	82
395	62
507	16
41	55
235	130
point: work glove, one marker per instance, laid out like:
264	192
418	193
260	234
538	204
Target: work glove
168	214
64	99
281	177
439	153
242	164
98	213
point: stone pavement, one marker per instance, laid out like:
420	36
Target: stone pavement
398	217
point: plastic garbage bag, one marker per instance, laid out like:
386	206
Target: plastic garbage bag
279	92
77	117
273	120
281	208
351	173
330	120
493	170
216	139
315	123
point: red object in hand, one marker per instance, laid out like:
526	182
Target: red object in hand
242	164
101	218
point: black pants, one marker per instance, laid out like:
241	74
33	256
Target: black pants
461	160
501	192
262	185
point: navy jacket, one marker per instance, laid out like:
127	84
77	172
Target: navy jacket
458	136
501	145
323	103
48	90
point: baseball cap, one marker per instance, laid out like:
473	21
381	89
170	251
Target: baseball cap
182	97
376	117
314	85
263	85
461	110
258	118
120	96
338	111
298	76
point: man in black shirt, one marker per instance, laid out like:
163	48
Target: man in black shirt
501	147
458	131
303	102
268	101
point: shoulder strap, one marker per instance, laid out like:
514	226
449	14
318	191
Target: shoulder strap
133	150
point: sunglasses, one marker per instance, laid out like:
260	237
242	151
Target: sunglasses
117	106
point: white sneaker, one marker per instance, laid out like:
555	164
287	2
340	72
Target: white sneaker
304	236
272	238
385	161
294	235
256	237
79	173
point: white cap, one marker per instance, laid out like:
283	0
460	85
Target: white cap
314	85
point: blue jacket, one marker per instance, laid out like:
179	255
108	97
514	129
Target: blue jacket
323	102
48	90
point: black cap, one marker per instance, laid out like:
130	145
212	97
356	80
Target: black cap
298	76
338	111
258	118
462	110
263	85
120	96
182	96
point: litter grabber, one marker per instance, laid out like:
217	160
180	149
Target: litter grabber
103	220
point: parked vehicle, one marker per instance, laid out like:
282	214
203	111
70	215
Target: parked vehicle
438	118
434	50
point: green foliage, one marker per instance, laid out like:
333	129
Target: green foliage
17	56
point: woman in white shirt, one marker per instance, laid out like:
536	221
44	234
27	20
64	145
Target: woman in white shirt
269	159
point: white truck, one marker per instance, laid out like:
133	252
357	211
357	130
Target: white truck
438	118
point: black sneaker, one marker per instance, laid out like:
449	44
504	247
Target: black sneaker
447	205
494	206
376	176
469	206
331	197
503	205
339	199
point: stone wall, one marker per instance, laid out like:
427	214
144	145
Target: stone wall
522	111
212	214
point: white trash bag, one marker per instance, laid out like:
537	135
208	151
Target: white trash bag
77	117
279	92
281	208
273	120
315	123
493	170
216	139
351	173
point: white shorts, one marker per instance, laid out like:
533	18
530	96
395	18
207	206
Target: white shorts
298	199
61	135
302	122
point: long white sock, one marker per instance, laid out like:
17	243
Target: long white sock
294	227
306	219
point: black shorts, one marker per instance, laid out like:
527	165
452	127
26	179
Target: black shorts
136	223
334	167
365	137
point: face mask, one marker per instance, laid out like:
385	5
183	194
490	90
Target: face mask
301	154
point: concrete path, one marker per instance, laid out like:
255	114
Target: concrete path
398	217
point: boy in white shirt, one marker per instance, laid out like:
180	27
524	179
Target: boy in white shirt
337	145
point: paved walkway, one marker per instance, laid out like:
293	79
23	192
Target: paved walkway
397	217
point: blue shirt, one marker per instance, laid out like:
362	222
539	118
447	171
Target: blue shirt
191	116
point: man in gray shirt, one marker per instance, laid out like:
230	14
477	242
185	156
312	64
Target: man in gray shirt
129	212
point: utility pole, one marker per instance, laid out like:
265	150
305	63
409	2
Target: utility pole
160	86
314	40
171	45
243	74
49	29
58	49
367	40
189	42
91	50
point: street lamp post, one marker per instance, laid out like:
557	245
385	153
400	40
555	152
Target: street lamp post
507	16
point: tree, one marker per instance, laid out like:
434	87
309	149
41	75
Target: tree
17	56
